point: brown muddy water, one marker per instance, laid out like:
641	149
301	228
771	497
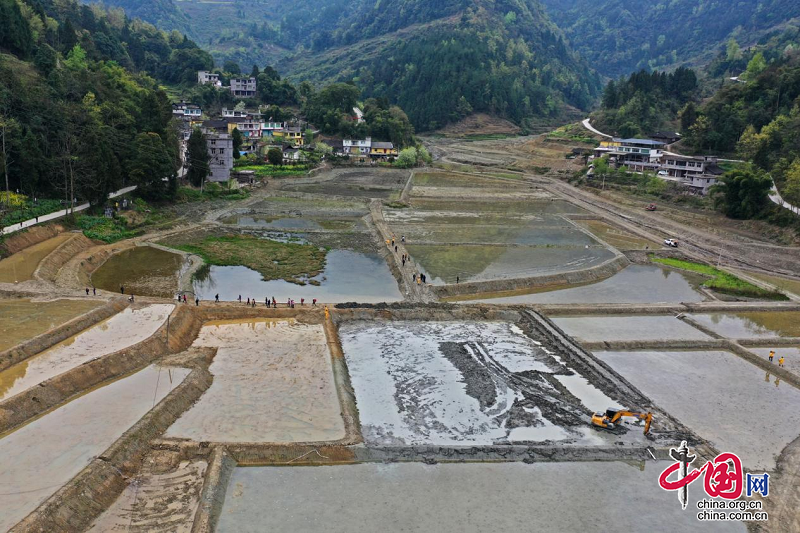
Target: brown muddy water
627	328
143	270
122	330
22	320
273	382
635	284
348	276
752	324
456	498
720	396
22	265
43	455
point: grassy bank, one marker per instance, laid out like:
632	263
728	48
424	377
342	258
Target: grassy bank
721	281
292	262
270	171
104	229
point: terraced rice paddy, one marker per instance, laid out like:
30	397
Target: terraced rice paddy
21	266
42	456
143	270
130	326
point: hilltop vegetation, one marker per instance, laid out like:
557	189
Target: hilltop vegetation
621	36
81	112
440	61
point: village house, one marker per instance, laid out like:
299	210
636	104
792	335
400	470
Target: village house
383	150
243	87
292	135
220	151
248	126
697	174
208	78
186	111
237	113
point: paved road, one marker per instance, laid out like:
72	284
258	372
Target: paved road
588	126
775	196
59	214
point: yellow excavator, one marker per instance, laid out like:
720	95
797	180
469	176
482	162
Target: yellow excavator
611	417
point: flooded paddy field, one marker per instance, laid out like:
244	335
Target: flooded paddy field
720	396
143	270
43	455
296	223
749	325
443	263
22	320
460	383
126	328
377	183
22	265
791	355
627	328
348	276
459	497
307	206
540	206
273	382
494	240
617	237
459	180
546	235
636	284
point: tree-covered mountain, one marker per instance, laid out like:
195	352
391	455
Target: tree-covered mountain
80	111
440	60
622	36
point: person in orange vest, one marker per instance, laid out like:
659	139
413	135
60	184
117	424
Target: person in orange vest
771	355
780	362
327	313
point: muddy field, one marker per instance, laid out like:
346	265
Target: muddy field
451	383
143	270
273	382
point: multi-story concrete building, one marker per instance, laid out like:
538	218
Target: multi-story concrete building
243	87
644	155
208	78
220	151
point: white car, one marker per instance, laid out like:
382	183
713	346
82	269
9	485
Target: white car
671	242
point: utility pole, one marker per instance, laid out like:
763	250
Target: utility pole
3	129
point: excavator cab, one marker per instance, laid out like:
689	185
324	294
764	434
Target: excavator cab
611	418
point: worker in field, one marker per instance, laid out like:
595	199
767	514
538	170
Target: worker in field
327	313
771	355
780	362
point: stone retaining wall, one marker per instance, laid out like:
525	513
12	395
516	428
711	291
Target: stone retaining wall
576	277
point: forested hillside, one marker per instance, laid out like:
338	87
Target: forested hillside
621	36
439	60
80	112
